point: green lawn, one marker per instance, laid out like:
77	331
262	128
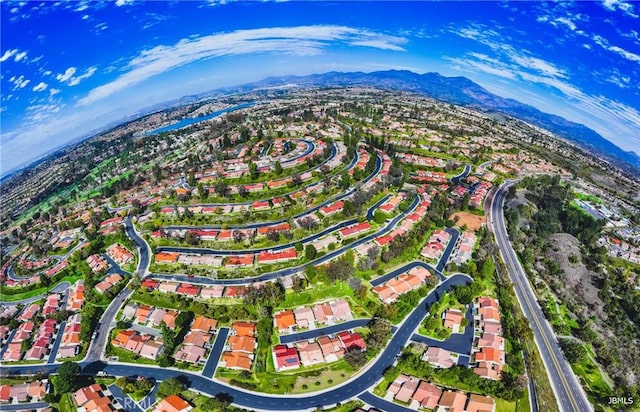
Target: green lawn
66	403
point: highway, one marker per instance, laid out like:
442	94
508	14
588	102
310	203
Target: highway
569	393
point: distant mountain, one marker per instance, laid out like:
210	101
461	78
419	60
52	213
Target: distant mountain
456	90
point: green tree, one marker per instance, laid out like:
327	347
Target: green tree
355	357
310	252
67	378
170	387
278	168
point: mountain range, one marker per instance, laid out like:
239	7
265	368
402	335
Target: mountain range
455	90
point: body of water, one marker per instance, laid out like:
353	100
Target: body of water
189	121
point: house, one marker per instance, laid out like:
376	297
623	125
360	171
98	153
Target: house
438	357
322	313
451	401
310	353
341	310
277	256
244	328
173	403
197	338
332	208
188	290
120	254
143	313
491	340
190	353
212	292
236	360
489	314
350	340
167	287
355	230
285	358
479	403
490	355
332	348
427	395
242	343
86	394
452	319
151	349
284	321
304	317
489	371
203	324
167	257
407	389
395	386
239	261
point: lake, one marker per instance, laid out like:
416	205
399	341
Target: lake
189	121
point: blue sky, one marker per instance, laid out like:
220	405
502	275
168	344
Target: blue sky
68	68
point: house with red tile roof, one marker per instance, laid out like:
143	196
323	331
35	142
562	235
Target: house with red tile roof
479	403
304	317
239	261
284	321
277	256
173	403
452	319
310	353
355	230
350	340
332	208
285	358
451	401
407	389
332	348
427	395
438	357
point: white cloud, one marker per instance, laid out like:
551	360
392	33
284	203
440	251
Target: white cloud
19	56
53	92
621	5
19	83
85	17
563	20
74	81
7	54
71	79
121	3
81	7
604	43
299	41
606	116
47	73
40	87
68	74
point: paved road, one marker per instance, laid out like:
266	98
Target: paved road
369	376
216	352
115	267
459	343
569	393
382	404
128	404
450	246
107	321
307	212
60	287
402	269
3	349
199	280
56	344
372	210
456	179
150	399
326	330
24	406
227	252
